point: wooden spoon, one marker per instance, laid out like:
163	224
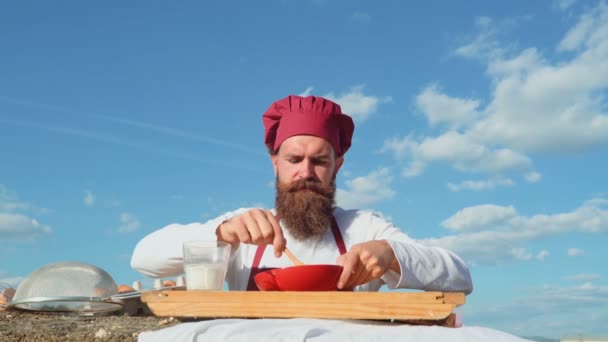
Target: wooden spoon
292	257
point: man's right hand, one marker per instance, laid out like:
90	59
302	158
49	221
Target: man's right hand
255	226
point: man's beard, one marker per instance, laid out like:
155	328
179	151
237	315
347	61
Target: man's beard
306	214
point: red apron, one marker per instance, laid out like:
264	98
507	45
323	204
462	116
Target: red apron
255	269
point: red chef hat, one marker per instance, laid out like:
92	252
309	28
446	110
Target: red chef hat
312	115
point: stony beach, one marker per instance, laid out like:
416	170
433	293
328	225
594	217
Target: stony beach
28	326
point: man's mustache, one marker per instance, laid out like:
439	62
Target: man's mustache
307	184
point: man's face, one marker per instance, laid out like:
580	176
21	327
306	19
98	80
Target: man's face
305	169
306	157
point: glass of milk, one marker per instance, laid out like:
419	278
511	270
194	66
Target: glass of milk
205	264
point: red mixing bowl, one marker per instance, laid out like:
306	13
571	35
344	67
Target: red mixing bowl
300	278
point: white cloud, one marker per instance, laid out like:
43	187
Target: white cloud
255	205
361	17
129	223
556	306
521	254
524	254
366	190
16	222
356	104
577	35
459	150
21	227
532	177
12	206
414	169
401	148
89	198
480	217
564	98
563	5
537	104
162	150
10	203
584	277
484	44
542	255
575	252
307	92
440	108
491	234
598	201
480	185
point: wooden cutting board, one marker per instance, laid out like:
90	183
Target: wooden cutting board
335	305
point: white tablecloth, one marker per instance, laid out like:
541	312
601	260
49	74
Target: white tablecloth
306	329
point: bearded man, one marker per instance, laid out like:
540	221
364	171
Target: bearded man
307	138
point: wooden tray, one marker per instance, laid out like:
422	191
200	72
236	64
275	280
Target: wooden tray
404	306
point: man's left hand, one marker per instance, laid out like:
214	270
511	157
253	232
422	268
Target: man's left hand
365	262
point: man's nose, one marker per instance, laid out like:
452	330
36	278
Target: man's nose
306	169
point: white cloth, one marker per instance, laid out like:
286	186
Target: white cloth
318	330
425	268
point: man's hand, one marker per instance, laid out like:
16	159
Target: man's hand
366	261
256	226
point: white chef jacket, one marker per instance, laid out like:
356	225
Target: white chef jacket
422	267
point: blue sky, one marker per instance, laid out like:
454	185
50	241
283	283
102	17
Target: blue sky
480	126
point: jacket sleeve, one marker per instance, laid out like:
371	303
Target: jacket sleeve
159	254
422	267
